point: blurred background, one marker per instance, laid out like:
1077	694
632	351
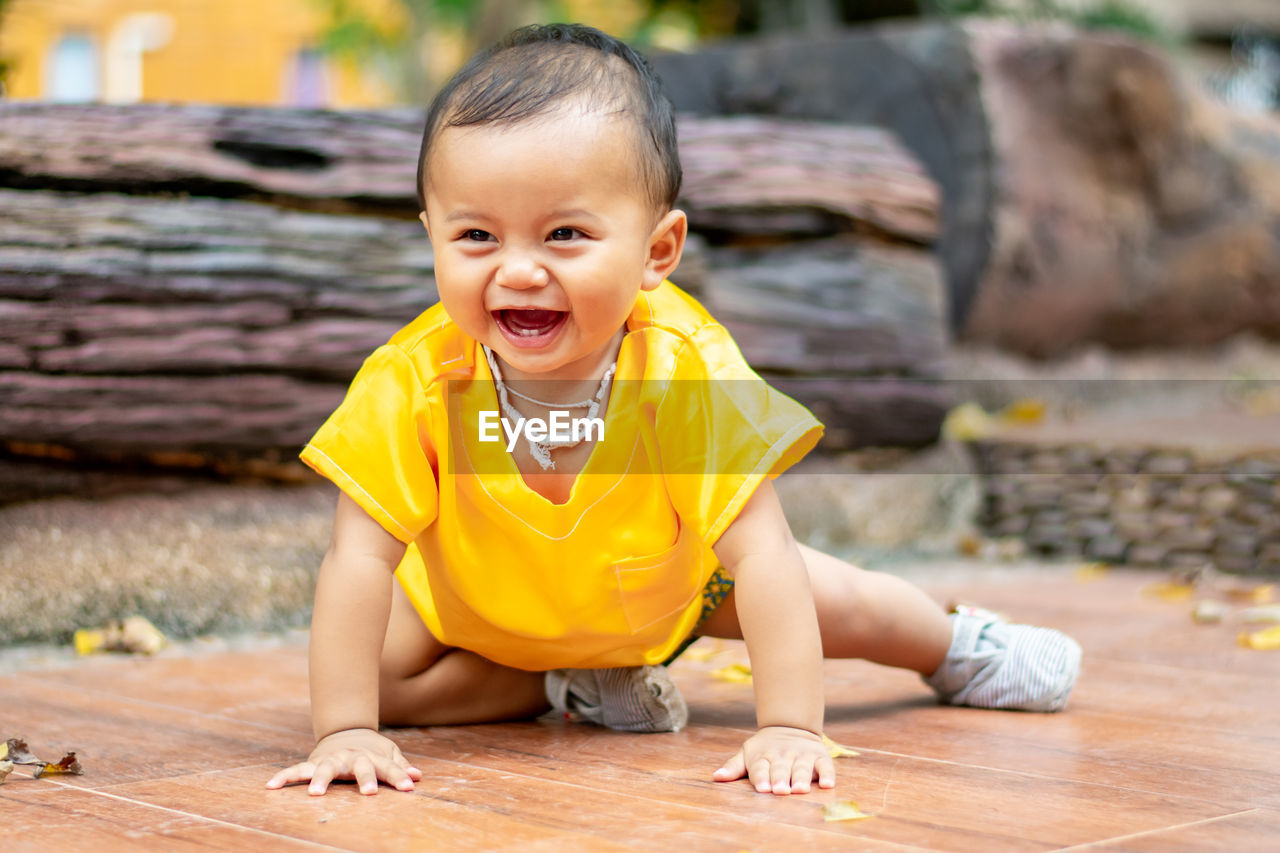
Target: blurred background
368	53
1022	257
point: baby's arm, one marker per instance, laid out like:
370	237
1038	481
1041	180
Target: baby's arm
776	613
353	602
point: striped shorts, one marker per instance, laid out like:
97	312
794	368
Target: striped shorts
713	594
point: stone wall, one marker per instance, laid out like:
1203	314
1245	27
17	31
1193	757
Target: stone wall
1159	507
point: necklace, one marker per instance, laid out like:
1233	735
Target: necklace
541	450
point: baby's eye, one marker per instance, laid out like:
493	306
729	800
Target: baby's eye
479	236
565	234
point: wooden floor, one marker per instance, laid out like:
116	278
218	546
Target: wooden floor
1171	742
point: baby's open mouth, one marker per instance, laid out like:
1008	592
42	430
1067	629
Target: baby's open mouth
529	322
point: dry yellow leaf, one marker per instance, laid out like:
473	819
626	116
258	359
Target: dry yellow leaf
1025	411
1260	594
1266	640
700	653
843	810
1209	612
969	544
734	673
1269	613
134	635
15	751
1090	572
66	765
837	750
1169	591
966	422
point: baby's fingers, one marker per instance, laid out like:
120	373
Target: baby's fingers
292	775
397	775
321	776
733	769
826	770
366	774
414	774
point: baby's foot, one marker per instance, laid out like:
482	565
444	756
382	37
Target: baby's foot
992	664
629	698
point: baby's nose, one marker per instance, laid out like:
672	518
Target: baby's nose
521	271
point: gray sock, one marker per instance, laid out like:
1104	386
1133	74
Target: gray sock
992	664
629	698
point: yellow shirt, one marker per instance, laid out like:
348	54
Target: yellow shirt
611	577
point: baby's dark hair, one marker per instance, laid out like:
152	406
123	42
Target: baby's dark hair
537	68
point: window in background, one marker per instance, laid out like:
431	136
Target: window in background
73	71
307	79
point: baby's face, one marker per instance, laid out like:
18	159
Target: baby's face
542	234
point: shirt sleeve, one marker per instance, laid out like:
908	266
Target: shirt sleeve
376	445
722	430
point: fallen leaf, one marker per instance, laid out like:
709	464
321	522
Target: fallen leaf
969	544
843	810
701	652
1025	411
836	750
1209	612
1266	640
134	635
1246	593
1270	613
1169	591
734	673
966	422
67	765
1090	572
15	750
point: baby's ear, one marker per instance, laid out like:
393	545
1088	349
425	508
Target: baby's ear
666	244
422	216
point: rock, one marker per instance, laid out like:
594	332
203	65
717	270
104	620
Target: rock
1108	549
1133	210
1090	193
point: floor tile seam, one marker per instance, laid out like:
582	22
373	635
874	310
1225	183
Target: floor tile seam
161	706
98	792
654	800
1155	831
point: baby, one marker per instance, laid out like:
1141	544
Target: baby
486	564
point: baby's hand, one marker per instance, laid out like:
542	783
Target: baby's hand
360	754
782	760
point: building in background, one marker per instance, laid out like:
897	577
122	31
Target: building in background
243	52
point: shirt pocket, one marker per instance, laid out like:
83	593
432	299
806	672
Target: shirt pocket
654	587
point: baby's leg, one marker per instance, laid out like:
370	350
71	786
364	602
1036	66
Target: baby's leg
426	683
862	614
972	658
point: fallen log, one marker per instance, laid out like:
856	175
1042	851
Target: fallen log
178	331
751	175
